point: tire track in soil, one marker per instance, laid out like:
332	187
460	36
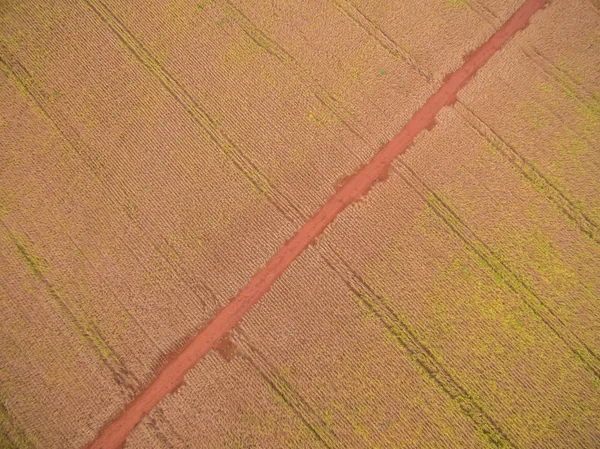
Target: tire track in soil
281	54
536	178
299	406
196	112
172	374
88	330
12	434
501	270
560	76
565	80
123	377
132	386
418	352
19	74
565	83
486	13
384	39
282	203
281	388
270	191
452	220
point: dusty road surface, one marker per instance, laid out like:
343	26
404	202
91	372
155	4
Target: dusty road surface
262	224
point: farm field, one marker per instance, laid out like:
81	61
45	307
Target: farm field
271	224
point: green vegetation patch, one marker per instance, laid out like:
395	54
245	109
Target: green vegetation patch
37	265
11	435
456	4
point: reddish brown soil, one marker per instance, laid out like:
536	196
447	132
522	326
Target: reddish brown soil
171	377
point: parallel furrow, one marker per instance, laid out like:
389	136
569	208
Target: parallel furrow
532	174
285	391
485	13
156	422
292	399
12	435
466	403
255	34
416	350
536	179
501	270
15	71
562	78
384	39
88	330
272	47
197	113
540	182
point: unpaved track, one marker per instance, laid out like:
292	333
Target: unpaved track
168	380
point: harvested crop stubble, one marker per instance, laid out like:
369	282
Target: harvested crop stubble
226	404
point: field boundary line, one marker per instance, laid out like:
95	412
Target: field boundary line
535	178
356	186
527	170
482	424
501	270
417	351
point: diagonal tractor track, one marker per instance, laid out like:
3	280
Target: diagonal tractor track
356	186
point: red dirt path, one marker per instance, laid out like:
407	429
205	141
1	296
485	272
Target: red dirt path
171	376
